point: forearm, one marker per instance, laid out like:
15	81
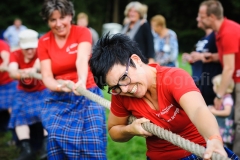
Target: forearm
206	126
82	68
227	74
50	83
221	113
121	133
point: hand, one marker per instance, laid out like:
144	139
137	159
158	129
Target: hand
3	68
63	86
207	57
137	129
212	109
217	103
214	145
196	56
81	84
186	58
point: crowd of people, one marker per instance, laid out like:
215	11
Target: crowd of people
139	65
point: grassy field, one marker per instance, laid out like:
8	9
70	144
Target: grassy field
132	150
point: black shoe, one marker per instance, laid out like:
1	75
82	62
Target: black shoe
26	151
43	151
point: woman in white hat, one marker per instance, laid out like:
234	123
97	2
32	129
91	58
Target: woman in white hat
29	98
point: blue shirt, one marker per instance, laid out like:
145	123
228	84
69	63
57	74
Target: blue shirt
11	34
166	57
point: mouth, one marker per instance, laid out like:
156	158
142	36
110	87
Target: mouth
134	89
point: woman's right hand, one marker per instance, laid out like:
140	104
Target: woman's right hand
137	129
214	145
62	87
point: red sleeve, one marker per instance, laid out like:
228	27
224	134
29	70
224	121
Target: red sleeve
229	43
13	57
84	35
4	46
42	48
179	82
117	107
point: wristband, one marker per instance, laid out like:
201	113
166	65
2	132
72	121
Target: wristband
59	88
216	137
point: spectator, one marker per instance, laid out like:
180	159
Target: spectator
11	33
138	28
165	42
224	114
82	20
76	125
29	98
228	45
204	70
165	96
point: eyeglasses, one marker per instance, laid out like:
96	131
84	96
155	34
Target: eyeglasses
123	81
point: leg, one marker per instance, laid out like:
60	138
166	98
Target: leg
23	133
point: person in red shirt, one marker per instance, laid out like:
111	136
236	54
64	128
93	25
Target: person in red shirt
29	97
7	84
167	97
228	45
76	125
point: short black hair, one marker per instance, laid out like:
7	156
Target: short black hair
111	50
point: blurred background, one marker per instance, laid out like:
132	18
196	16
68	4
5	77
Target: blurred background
180	15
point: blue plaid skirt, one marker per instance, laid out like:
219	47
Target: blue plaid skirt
27	107
76	127
230	153
7	95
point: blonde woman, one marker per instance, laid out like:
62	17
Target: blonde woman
138	29
165	42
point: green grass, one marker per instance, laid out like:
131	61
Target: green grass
134	149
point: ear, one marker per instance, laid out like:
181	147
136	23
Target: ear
136	59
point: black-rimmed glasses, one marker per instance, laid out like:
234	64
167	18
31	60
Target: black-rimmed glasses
123	81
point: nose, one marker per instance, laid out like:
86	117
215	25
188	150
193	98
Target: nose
124	89
58	22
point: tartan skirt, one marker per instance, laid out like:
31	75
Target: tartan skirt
230	153
7	95
27	107
76	127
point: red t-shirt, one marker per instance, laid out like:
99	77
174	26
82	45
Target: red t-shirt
26	84
172	83
228	42
63	60
4	76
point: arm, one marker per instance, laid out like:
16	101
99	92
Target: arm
120	131
227	73
48	79
83	55
5	55
174	47
224	113
204	121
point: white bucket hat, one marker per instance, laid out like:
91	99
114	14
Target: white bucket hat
28	39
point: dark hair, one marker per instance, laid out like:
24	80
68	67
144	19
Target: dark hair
111	50
213	7
65	7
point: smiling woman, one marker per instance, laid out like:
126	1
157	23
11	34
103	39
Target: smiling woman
159	94
76	125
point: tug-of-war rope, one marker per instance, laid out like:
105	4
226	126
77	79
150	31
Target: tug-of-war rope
150	127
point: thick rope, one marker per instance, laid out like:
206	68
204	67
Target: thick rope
150	127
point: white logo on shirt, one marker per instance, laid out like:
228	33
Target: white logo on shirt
72	48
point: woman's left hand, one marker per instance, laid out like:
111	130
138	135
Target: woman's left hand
81	84
214	145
